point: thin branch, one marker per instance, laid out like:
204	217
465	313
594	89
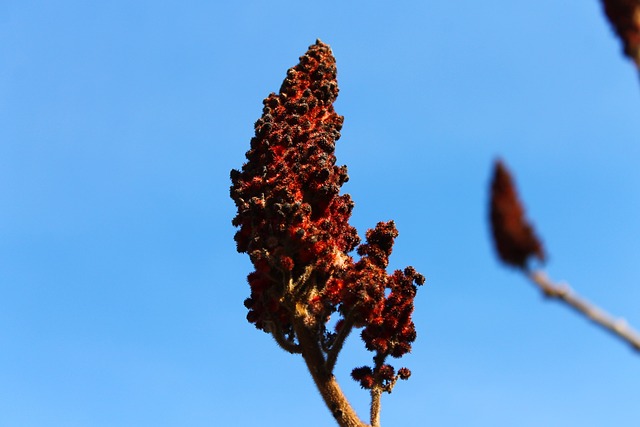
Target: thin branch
302	285
331	393
376	393
563	293
332	354
283	342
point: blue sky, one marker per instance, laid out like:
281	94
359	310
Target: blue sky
120	288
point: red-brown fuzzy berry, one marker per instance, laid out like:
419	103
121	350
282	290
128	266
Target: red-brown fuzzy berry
404	373
364	375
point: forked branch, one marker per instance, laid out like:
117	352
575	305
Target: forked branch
329	389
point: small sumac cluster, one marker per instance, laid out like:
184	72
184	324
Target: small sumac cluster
514	238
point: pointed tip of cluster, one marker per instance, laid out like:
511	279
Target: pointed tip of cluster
514	238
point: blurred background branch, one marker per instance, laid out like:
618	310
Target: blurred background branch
563	293
516	244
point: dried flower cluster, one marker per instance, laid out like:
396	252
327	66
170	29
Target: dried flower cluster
513	236
293	222
624	16
294	225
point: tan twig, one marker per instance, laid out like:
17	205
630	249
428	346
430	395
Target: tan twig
329	389
283	342
376	393
563	293
336	347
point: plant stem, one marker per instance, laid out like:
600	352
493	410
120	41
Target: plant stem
564	293
332	355
376	393
329	389
285	344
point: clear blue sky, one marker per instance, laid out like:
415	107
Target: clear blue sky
120	288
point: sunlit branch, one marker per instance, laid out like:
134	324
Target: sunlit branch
283	342
376	392
331	393
563	293
332	355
